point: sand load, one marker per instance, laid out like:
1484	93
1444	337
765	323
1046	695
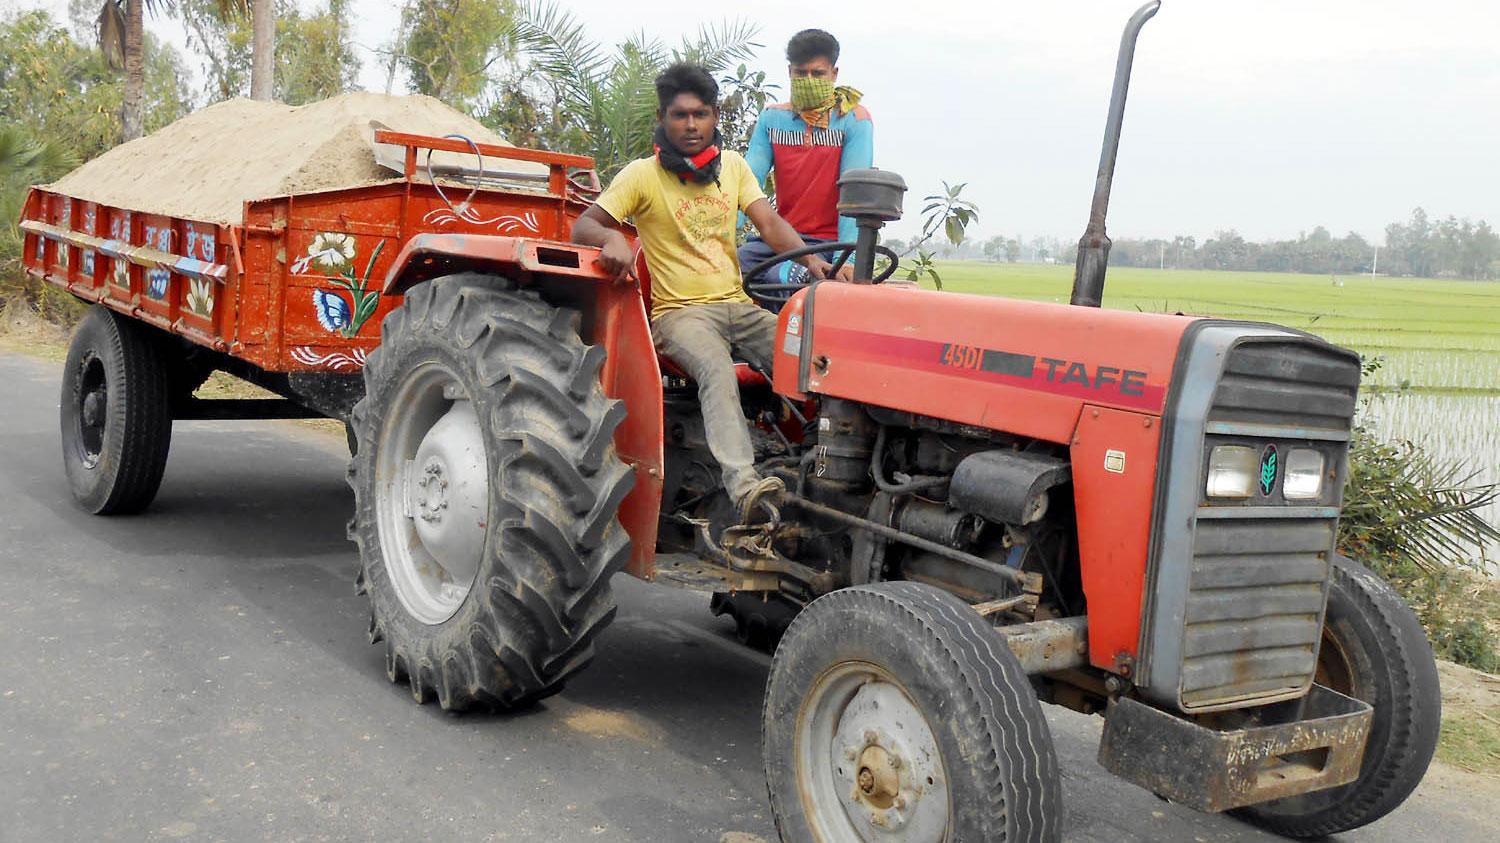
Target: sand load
208	164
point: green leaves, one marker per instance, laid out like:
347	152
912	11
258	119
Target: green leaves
922	268
1404	508
603	103
947	212
365	300
448	47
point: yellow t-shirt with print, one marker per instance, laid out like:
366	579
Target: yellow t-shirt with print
687	229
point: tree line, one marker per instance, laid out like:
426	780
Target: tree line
1421	247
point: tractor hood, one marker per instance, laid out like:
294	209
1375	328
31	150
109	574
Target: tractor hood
1027	368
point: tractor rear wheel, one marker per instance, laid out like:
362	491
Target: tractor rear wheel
895	713
486	491
116	414
1374	650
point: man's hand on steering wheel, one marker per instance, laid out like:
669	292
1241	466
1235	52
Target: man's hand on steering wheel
822	270
817	267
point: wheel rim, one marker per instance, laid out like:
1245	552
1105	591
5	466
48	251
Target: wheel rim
93	410
868	763
1335	671
432	479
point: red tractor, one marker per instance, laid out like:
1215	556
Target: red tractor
992	503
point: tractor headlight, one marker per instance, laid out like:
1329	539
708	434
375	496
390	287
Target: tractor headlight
1232	471
1304	475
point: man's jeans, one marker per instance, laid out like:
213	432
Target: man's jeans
703	340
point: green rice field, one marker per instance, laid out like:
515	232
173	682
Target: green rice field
1439	383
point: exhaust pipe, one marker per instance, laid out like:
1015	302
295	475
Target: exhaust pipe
1093	247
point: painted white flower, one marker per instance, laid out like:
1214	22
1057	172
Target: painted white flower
200	297
331	249
122	273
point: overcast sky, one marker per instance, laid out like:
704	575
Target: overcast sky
1270	117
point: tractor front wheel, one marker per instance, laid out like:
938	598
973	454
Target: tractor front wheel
894	712
486	489
1373	649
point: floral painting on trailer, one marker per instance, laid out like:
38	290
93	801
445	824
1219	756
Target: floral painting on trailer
345	310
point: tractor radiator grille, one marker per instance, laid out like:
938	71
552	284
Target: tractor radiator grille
1258	584
1254	608
1290	383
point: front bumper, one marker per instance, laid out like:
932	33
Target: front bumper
1319	744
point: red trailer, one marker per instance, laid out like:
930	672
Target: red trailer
292	297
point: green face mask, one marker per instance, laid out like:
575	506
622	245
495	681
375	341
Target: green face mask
809	93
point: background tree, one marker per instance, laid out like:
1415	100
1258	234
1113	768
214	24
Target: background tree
262	48
122	28
60	104
608	97
313	52
450	48
993	248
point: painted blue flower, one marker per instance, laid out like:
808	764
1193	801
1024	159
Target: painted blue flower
332	310
157	283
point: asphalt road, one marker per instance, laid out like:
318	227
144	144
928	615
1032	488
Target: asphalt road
201	672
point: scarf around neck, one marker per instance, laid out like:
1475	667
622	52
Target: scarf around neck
701	168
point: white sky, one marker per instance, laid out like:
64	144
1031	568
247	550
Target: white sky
1270	116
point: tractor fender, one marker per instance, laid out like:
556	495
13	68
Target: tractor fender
428	256
614	319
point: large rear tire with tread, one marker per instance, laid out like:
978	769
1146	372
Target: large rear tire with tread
894	710
115	413
486	494
1373	649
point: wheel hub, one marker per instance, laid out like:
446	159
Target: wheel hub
878	779
93	408
434	494
432	490
882	778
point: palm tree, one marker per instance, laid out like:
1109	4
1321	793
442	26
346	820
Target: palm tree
23	162
262	47
610	97
122	38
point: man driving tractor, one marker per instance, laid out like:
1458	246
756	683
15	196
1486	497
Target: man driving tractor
683	203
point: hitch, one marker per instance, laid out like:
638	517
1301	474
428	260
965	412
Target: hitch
1093	247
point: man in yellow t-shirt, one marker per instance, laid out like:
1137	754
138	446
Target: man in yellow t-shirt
684	202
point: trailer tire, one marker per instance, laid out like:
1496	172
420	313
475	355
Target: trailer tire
1373	649
115	413
904	671
543	486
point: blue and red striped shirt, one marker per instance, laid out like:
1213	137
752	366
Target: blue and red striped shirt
808	162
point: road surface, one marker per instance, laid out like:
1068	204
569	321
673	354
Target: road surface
202	672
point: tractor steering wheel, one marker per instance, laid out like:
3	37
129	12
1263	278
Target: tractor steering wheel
758	291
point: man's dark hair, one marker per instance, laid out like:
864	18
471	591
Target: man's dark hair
812	44
685	78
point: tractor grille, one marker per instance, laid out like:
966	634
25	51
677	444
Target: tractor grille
1287	384
1259	569
1254	608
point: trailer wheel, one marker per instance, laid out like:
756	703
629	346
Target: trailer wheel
115	413
486	489
1373	649
895	713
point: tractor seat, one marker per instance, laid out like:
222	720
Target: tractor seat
743	374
